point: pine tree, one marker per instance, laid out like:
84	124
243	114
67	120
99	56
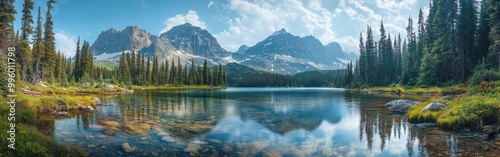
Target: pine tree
494	50
77	74
363	70
155	72
49	43
371	56
466	29
173	73
7	18
482	42
148	72
192	78
38	51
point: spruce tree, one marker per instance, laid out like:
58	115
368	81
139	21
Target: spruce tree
38	51
7	18
49	43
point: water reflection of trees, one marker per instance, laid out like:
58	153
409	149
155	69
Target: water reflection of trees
184	115
375	120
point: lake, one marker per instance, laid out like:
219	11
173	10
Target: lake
253	122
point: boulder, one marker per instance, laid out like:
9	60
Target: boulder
434	106
490	130
90	108
424	125
97	101
400	106
80	107
63	113
128	148
447	97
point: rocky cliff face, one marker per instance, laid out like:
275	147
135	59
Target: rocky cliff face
131	38
195	41
281	52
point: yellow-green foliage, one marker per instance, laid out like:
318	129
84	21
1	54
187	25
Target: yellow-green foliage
29	141
471	111
38	102
468	111
458	89
415	114
176	87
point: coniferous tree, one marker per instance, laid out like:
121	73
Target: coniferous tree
155	72
482	41
205	72
173	73
370	50
38	51
49	43
148	72
466	29
7	17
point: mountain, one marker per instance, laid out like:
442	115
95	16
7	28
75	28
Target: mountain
111	41
281	52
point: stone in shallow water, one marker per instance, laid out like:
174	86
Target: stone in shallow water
434	106
400	106
128	148
193	148
112	123
168	139
227	148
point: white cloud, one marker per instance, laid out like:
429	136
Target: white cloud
393	6
66	43
179	19
258	19
210	4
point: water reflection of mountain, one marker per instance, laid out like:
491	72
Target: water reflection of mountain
282	112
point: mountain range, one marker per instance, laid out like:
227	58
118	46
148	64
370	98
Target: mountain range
281	52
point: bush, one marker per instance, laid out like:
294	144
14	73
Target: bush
482	74
473	111
415	114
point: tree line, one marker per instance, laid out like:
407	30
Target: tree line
135	69
41	62
243	76
457	42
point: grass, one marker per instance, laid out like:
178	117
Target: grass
411	90
184	87
40	102
29	141
415	114
480	106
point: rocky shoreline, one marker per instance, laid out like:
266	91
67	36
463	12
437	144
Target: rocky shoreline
489	133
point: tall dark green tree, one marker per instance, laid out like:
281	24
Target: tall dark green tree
49	43
22	47
466	29
7	18
38	51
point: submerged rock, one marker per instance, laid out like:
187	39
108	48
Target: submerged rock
112	123
490	130
434	106
168	139
128	148
97	101
424	125
447	97
193	148
400	106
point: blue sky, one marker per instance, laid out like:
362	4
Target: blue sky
232	22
